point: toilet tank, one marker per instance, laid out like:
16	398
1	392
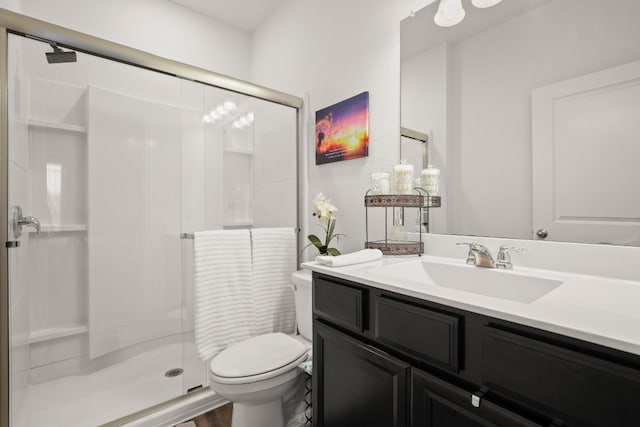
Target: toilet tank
302	291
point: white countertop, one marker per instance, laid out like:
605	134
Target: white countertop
597	309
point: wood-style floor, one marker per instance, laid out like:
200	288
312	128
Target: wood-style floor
219	417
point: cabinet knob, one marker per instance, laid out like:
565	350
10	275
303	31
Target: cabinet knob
475	401
476	397
542	233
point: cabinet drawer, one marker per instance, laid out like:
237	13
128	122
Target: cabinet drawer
339	303
418	331
440	403
577	388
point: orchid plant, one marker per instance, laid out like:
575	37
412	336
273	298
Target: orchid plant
324	212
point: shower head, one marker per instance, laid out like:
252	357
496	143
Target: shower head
59	56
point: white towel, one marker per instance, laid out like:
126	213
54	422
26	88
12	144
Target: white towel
365	255
274	260
222	283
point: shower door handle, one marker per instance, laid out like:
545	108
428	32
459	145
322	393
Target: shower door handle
18	221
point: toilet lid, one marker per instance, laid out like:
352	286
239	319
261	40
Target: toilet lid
257	355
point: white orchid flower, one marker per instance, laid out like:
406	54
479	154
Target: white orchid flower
324	211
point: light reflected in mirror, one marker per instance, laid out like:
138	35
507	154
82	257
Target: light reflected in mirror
534	113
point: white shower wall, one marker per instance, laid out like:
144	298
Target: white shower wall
18	261
133	220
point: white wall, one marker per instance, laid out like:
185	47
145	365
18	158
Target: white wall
14	5
332	50
155	26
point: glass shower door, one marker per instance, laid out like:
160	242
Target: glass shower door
119	166
95	274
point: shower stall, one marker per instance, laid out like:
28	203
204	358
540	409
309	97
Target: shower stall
111	158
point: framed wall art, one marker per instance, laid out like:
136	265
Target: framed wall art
342	130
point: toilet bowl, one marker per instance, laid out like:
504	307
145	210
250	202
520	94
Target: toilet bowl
256	373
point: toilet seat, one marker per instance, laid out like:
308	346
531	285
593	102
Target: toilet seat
257	359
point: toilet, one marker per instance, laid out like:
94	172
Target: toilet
256	373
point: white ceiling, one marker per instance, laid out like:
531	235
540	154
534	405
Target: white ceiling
244	14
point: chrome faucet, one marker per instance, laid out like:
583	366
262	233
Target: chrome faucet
504	259
479	255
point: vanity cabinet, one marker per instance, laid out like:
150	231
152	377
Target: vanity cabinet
386	359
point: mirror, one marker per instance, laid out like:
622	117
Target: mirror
533	107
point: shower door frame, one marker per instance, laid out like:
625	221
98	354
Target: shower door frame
14	23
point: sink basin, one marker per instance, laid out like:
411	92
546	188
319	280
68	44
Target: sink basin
508	285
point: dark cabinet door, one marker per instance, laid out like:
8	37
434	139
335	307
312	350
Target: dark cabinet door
355	384
576	387
437	403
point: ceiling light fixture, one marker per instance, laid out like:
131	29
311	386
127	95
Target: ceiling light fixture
450	12
485	3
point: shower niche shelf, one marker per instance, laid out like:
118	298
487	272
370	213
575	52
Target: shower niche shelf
56	126
55	333
239	150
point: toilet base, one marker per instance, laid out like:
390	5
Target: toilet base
267	414
258	404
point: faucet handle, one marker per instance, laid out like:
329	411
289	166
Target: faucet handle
504	259
506	249
471	259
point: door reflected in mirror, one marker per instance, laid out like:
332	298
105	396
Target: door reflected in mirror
533	110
